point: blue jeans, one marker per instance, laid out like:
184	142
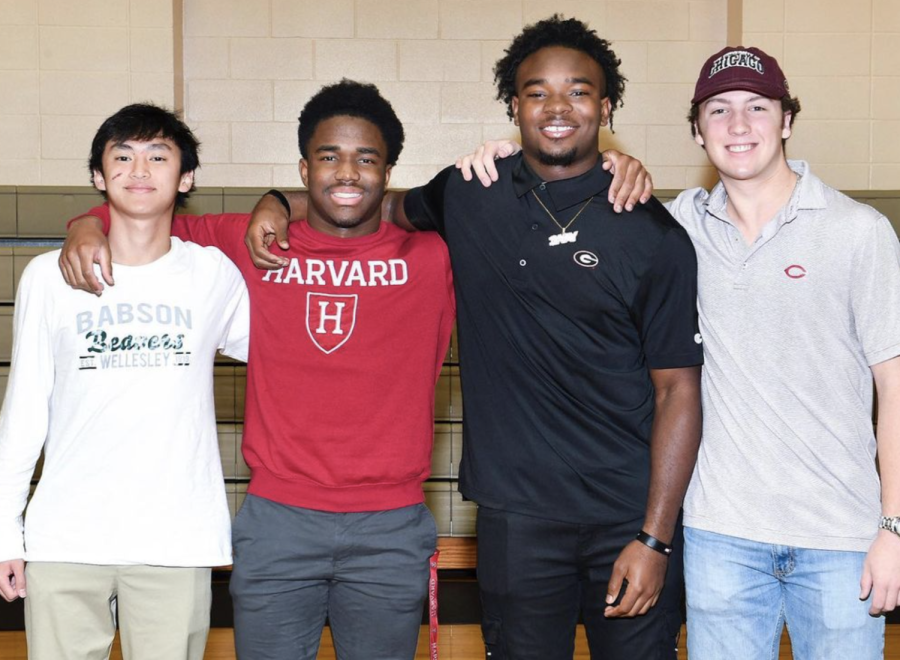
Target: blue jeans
741	593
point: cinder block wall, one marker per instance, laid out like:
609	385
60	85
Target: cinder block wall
243	69
843	60
64	66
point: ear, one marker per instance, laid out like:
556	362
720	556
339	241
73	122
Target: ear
698	138
304	171
515	109
786	126
387	175
99	181
605	111
187	181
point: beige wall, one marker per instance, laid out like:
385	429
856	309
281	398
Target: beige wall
249	65
842	58
66	65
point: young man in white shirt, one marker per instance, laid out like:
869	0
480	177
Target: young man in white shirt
130	512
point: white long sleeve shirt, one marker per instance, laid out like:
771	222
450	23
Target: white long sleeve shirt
118	391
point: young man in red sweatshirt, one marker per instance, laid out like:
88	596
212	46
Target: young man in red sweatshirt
347	345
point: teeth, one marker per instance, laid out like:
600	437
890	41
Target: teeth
557	129
346	195
740	148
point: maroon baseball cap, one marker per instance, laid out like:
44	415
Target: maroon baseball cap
739	68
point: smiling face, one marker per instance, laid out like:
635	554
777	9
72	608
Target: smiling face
559	108
346	173
742	134
142	178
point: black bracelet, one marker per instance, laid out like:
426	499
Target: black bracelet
277	194
654	543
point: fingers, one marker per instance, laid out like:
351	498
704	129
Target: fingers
620	190
631	183
615	585
648	188
66	270
865	583
482	162
87	279
105	261
883	603
77	266
644	575
8	587
12	580
258	245
464	165
885	597
281	236
19	577
632	600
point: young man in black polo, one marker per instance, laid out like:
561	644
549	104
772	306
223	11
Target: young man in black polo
581	367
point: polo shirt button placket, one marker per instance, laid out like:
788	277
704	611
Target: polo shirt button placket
740	282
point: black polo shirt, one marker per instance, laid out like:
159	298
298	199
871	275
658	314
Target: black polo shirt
556	342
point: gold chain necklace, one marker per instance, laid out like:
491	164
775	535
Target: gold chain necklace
564	236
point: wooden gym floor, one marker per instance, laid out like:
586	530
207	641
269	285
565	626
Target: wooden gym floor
457	642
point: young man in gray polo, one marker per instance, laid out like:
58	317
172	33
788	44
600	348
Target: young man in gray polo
785	521
799	298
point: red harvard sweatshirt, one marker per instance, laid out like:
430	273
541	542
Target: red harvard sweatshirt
346	345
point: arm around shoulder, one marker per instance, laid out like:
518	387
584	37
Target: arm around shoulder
86	244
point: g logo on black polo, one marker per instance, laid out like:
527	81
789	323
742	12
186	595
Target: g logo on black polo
586	259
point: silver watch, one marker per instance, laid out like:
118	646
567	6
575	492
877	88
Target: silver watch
890	524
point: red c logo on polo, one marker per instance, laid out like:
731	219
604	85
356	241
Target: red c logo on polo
795	272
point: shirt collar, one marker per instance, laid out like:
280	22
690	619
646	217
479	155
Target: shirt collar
809	195
564	192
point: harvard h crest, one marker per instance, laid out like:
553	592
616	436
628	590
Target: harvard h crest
330	319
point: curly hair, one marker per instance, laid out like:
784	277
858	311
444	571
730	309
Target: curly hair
569	33
144	122
788	104
352	99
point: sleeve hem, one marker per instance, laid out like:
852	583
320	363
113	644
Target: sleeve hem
676	360
885	354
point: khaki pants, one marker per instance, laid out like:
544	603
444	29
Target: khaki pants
70	611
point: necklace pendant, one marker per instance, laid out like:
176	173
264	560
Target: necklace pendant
564	237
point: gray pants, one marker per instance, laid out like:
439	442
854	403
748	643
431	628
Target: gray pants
367	572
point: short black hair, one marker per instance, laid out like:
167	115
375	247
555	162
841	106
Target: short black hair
145	121
569	33
349	98
788	104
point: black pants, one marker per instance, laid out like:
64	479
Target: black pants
536	576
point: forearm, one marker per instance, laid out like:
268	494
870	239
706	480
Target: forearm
298	199
675	441
888	434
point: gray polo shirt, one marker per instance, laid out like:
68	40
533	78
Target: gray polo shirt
791	326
